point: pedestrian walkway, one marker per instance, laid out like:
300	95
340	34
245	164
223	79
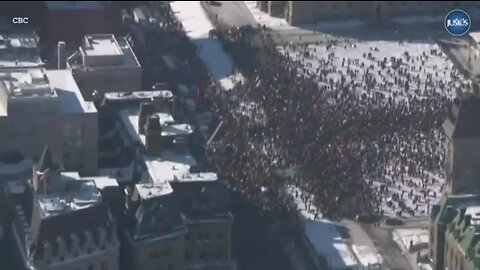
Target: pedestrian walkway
197	26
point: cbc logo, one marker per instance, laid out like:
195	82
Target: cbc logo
20	20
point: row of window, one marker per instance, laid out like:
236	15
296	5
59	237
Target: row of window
206	237
458	262
102	266
204	255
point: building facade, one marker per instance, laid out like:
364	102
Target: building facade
61	221
45	107
20	51
104	63
196	203
463	148
454	227
308	12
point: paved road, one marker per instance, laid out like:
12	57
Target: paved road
391	253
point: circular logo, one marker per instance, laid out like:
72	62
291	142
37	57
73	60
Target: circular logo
457	22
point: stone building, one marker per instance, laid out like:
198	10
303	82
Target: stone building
62	222
463	150
104	63
308	12
45	107
173	186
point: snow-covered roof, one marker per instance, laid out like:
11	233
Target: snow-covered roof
19	51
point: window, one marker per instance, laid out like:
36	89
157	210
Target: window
90	267
62	258
206	236
203	255
171	267
188	257
154	255
104	265
219	254
220	236
188	237
167	252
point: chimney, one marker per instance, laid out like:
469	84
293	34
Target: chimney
61	55
146	109
153	135
42	172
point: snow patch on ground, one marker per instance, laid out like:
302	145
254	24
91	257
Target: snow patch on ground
418	238
324	236
197	26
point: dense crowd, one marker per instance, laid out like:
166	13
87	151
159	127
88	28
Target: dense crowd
341	132
369	123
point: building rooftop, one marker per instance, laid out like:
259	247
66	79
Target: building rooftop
46	90
129	118
197	177
152	190
139	95
169	166
103	51
83	194
96	45
19	51
444	211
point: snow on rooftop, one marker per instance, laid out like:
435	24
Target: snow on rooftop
324	236
197	26
129	117
71	99
169	166
97	45
27	57
163	94
152	190
84	196
193	177
102	181
474	211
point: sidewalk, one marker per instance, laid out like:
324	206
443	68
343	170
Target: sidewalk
362	245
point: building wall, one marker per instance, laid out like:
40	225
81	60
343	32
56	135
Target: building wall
454	258
108	79
71	137
71	25
465	164
162	254
209	242
99	260
304	12
437	245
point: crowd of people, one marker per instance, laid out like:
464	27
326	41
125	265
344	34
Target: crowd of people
368	123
